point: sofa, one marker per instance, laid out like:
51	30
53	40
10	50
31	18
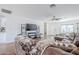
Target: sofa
39	46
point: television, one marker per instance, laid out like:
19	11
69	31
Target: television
31	27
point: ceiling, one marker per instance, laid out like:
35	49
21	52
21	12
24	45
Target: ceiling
43	11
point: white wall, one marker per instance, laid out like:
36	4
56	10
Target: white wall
51	28
13	27
13	23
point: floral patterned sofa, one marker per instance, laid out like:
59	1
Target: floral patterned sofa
27	46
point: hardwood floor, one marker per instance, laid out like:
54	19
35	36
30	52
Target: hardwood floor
7	49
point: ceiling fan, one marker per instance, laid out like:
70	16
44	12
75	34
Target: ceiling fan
55	18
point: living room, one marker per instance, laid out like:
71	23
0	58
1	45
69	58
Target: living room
26	27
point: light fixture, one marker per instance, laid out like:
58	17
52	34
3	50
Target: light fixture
52	5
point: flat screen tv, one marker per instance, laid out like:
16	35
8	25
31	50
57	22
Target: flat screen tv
31	27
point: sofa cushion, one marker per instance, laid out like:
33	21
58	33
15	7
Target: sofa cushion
55	51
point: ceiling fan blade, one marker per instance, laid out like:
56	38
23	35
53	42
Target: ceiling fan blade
58	18
55	18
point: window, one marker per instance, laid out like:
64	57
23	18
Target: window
67	28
